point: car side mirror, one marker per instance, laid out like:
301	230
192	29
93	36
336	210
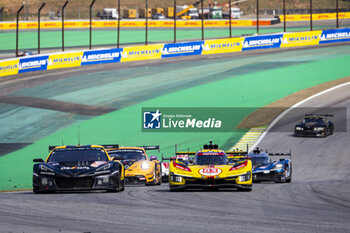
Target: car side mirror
153	158
38	160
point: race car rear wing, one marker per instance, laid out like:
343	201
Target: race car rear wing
284	155
51	148
111	146
319	115
150	147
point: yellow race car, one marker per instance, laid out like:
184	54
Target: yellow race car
211	168
139	169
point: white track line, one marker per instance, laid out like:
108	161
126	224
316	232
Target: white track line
294	106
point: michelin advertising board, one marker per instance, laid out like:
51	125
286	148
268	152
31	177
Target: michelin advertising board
335	35
101	56
223	45
29	64
262	42
182	49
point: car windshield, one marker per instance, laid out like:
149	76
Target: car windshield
260	161
125	154
210	158
77	155
313	120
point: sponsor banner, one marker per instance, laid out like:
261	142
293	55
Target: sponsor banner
223	46
182	49
28	64
64	60
323	16
101	56
131	23
335	35
138	53
9	67
262	42
301	39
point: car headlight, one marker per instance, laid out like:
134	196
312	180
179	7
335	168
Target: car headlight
319	129
145	165
105	167
176	178
45	168
299	128
245	177
279	165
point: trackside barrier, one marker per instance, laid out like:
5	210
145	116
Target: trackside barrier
136	53
133	24
323	16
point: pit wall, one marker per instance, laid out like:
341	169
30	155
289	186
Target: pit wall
136	53
134	24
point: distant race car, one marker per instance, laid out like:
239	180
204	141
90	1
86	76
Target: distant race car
210	168
69	168
139	169
165	165
25	53
314	125
265	169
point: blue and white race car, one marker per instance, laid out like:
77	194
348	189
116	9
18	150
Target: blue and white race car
265	169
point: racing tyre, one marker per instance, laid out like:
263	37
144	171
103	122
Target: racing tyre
289	179
123	186
117	189
281	179
159	176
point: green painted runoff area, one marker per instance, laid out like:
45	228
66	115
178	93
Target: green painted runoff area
124	126
80	37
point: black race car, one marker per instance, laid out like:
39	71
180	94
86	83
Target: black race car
70	168
316	125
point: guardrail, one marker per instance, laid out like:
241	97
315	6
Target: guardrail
135	53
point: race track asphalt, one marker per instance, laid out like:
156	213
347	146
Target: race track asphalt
317	200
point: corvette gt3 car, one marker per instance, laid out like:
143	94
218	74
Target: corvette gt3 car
265	169
69	168
210	168
316	125
139	169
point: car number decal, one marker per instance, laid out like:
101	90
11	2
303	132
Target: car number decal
209	171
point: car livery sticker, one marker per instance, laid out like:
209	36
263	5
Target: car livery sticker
210	171
97	163
75	167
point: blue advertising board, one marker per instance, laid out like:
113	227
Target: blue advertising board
28	64
262	42
335	35
182	49
101	56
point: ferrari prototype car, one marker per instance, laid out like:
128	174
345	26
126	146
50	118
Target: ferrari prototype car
316	125
139	169
69	168
265	169
210	168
